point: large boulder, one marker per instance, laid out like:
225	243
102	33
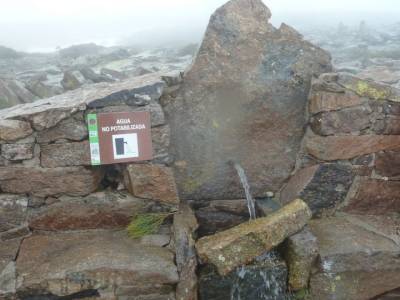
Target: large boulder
244	99
13	92
242	244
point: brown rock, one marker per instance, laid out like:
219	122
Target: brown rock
17	151
374	197
73	181
65	155
387	163
155	182
347	147
219	215
73	128
323	187
11	130
243	99
355	262
392	125
103	210
67	263
241	244
322	101
345	121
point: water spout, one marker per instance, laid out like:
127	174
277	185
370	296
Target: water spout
250	201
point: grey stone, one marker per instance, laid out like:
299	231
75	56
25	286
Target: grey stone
70	82
47	113
15	152
219	215
161	143
13	211
301	252
65	155
73	128
184	227
13	92
323	187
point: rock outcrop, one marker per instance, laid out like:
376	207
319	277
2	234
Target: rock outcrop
244	99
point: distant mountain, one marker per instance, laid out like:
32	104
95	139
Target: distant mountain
8	53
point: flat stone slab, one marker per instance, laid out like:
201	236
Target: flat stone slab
358	260
42	182
243	243
47	113
68	263
102	210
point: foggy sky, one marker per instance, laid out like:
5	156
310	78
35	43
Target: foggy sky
32	25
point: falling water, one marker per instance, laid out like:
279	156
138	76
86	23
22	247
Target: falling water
246	186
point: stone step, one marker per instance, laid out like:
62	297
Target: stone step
103	262
359	257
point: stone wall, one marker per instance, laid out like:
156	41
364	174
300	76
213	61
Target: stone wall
348	173
62	220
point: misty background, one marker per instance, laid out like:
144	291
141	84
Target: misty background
44	25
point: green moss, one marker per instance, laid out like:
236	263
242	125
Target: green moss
145	224
303	294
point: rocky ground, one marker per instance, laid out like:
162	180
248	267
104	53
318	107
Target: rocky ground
369	51
26	77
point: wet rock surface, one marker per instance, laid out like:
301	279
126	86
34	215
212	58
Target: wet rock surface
244	94
264	279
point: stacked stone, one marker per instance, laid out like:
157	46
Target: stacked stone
62	221
349	176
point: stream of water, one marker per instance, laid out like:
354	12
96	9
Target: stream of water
250	200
